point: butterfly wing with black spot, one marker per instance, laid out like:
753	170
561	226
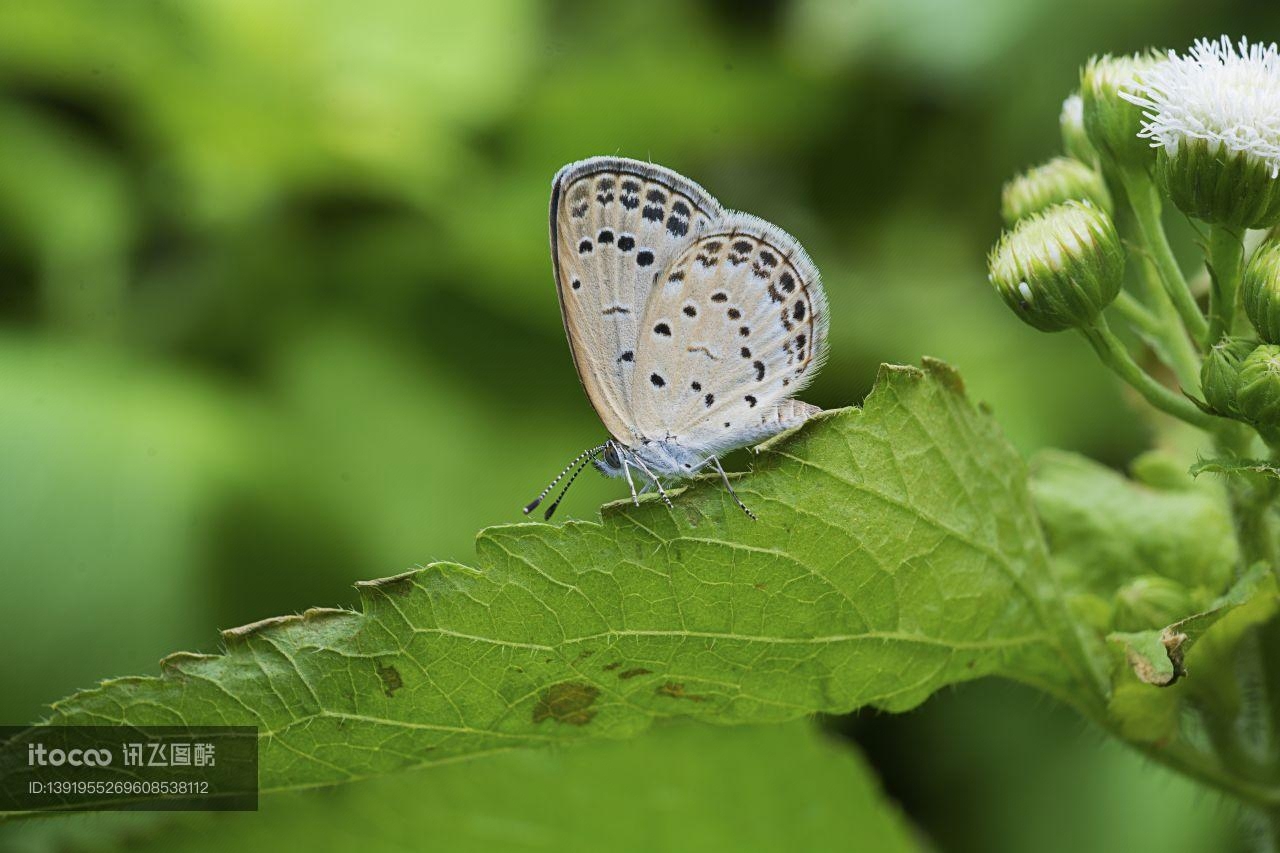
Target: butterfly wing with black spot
615	224
736	325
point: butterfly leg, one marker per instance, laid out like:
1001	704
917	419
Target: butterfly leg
656	482
626	471
725	478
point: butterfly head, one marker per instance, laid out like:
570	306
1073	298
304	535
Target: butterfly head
609	462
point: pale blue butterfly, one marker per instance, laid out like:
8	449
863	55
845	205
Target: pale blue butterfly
691	326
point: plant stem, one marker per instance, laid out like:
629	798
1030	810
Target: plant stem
1145	201
1226	253
1197	765
1114	355
1137	315
1177	351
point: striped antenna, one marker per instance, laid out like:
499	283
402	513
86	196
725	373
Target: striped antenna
592	451
551	509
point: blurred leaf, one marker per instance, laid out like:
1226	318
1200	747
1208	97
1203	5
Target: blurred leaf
249	100
897	553
107	470
1105	529
685	787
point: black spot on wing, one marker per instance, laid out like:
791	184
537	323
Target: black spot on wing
759	366
690	311
798	312
787	281
709	400
657	380
627	356
662	329
751	401
626	243
677	226
644	257
605	236
584	247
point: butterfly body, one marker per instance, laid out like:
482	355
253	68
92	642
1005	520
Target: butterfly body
691	326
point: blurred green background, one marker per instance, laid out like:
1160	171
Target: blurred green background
276	310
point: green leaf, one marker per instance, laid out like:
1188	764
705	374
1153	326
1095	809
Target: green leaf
1157	657
1105	529
1232	466
684	787
897	552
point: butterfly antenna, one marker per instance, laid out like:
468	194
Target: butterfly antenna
554	504
540	498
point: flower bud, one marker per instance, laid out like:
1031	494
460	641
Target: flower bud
1260	290
1214	115
1059	180
1111	122
1220	373
1059	268
1207	181
1151	601
1258	391
1074	139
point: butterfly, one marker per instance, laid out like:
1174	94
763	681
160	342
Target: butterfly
691	326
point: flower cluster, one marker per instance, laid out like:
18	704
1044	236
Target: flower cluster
1200	130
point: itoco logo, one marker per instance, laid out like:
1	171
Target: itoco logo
37	754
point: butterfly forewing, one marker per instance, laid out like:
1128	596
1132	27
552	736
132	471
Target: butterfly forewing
615	225
736	324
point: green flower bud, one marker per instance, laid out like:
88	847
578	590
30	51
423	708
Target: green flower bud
1212	113
1260	290
1208	181
1059	268
1258	391
1059	180
1074	139
1220	373
1151	601
1111	122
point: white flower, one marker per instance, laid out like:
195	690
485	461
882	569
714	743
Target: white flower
1226	95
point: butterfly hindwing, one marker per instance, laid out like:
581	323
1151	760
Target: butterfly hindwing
615	225
736	324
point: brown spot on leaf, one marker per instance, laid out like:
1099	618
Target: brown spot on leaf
391	681
610	667
632	673
675	690
568	702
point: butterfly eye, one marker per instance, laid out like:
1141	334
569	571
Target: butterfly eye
611	457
